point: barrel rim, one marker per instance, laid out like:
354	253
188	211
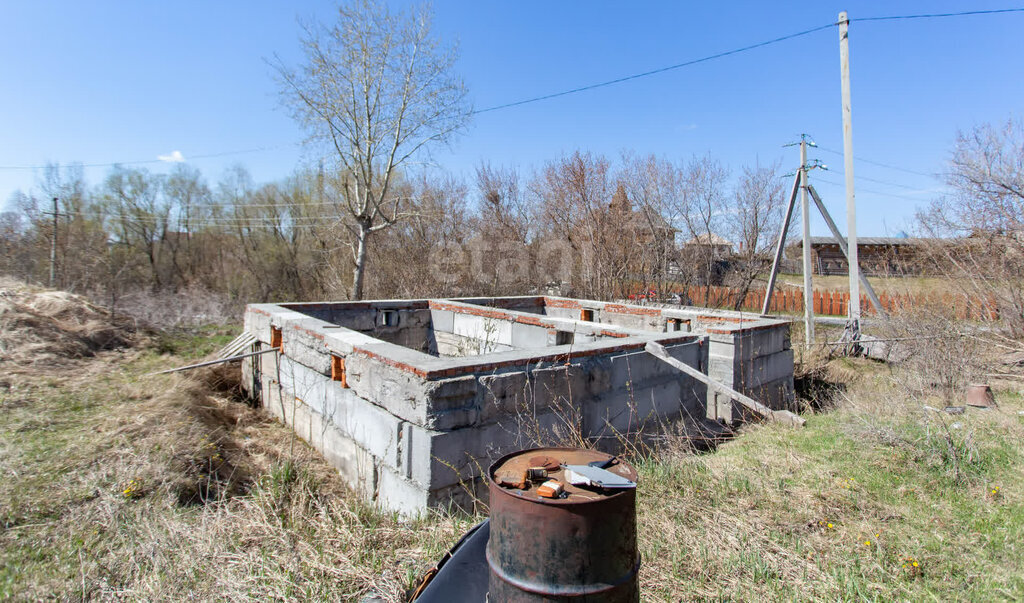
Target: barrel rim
567	502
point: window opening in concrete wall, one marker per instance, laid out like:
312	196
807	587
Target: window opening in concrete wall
389	318
674	324
338	370
587	315
564	337
275	337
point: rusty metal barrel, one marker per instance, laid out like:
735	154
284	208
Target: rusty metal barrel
579	546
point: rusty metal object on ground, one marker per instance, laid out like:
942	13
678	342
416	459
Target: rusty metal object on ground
980	395
579	547
541	460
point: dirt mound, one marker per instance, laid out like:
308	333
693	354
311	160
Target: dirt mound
41	325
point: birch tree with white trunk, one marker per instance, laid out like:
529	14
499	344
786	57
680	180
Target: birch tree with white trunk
375	92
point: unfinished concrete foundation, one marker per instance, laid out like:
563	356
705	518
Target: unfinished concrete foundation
412	399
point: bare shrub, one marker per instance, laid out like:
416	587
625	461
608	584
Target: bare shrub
976	233
185	308
936	354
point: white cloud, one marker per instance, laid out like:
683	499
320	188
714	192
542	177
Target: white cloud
174	157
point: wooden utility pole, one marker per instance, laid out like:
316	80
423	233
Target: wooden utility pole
805	216
53	245
851	208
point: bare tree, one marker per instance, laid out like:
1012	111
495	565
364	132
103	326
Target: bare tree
499	254
653	186
377	90
189	195
977	233
757	209
573	196
140	216
408	259
704	204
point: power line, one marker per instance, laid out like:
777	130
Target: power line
151	161
880	164
886	182
601	85
940	15
655	71
868	190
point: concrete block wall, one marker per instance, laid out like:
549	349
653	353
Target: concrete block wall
747	352
410	430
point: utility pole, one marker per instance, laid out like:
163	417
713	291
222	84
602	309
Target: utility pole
805	217
851	208
53	245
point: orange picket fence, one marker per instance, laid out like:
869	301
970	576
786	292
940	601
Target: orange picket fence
837	303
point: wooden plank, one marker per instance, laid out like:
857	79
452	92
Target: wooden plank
783	416
237	344
212	362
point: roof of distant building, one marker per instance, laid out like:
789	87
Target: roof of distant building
709	239
862	241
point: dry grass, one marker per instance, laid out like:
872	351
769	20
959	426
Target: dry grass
877	499
118	486
121	486
42	326
891	285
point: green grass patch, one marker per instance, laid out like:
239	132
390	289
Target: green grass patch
119	485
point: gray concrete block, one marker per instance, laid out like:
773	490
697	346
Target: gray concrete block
401	495
503	394
401	393
447	394
529	337
356	319
365	423
307	351
256	320
765	369
637	367
761	342
483	328
558	383
443	458
442	320
598	376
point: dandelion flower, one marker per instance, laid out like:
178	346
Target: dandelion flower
867	543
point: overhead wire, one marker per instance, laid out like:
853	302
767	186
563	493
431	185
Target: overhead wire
656	71
603	84
939	15
872	191
154	161
880	164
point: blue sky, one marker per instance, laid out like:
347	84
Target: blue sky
107	82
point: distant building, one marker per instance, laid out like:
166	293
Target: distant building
719	247
644	227
877	256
